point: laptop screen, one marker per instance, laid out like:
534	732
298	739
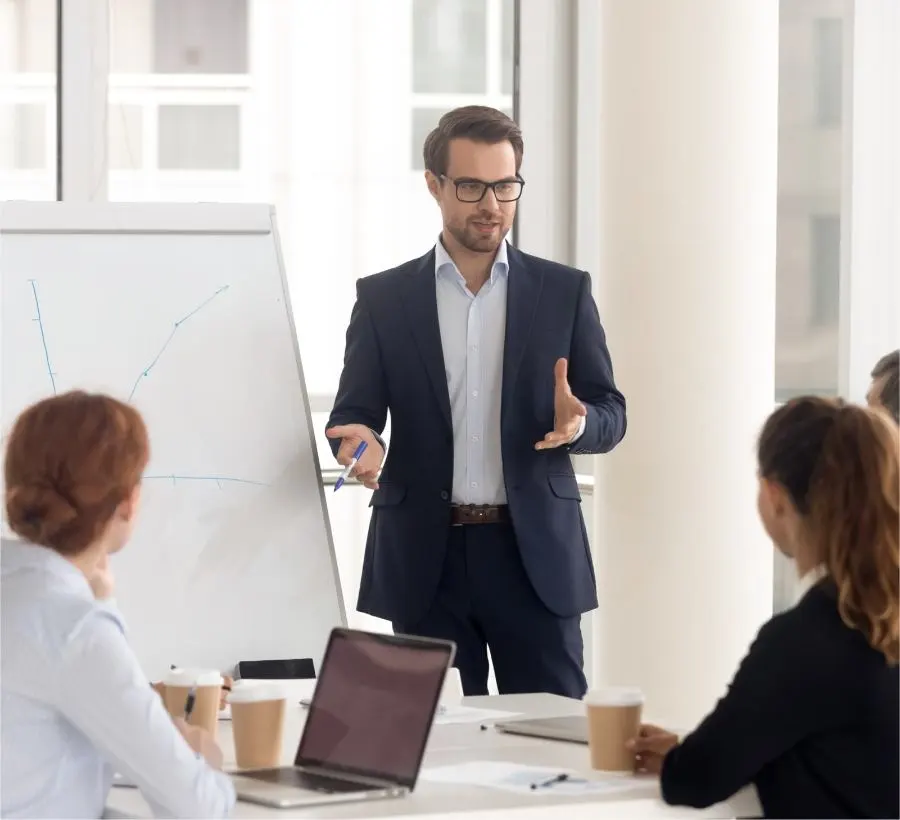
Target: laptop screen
374	704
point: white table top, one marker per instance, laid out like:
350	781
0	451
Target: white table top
459	743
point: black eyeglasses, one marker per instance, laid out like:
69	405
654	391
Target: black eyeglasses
473	190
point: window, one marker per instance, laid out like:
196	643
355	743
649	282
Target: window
460	48
302	105
810	174
28	156
826	269
178	93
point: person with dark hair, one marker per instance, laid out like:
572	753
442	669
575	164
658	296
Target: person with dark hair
885	389
495	369
76	705
811	717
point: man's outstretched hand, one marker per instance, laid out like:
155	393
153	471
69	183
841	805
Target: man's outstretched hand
567	411
369	464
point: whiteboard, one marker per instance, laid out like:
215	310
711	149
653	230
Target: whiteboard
183	310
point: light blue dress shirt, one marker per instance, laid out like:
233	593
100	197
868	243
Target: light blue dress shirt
76	705
473	334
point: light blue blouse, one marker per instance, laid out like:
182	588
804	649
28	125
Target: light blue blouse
76	705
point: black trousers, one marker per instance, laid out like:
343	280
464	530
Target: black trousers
485	600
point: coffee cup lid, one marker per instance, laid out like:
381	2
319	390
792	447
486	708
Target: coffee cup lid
193	677
244	692
615	696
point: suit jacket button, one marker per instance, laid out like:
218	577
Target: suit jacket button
445	496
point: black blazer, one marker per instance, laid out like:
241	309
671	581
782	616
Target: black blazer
394	361
811	719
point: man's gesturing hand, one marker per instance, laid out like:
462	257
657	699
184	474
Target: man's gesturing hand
369	464
567	411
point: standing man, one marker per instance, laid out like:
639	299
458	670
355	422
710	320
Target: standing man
495	369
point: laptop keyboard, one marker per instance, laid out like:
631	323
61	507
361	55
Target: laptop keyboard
304	780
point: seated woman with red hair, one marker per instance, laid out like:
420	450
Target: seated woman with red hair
76	704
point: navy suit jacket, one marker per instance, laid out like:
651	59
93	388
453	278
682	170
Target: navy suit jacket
394	361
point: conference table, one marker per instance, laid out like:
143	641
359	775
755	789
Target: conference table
458	743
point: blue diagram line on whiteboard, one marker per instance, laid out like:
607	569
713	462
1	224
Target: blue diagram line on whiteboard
40	320
146	371
218	479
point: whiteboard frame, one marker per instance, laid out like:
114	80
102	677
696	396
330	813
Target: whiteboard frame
273	223
228	219
137	218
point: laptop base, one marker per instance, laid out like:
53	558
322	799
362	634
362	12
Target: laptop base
288	788
572	729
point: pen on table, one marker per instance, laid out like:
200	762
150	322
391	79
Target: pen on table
560	778
357	455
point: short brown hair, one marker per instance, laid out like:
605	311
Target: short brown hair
70	461
840	464
478	123
888	369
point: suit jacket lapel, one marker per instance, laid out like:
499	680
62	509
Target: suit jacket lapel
420	306
522	296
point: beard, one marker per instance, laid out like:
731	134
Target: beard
471	239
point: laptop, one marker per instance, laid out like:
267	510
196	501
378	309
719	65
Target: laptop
367	726
572	729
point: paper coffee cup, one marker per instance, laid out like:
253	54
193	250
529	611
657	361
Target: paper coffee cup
207	686
614	718
257	722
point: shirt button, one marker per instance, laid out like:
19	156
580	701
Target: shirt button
474	484
444	495
474	394
474	438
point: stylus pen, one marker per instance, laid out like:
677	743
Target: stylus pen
189	704
560	778
349	468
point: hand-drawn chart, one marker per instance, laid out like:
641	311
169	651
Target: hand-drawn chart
173	477
40	322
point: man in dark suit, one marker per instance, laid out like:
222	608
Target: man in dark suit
495	368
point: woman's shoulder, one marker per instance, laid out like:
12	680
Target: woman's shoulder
47	619
816	634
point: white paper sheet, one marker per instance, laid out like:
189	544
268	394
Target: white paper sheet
519	779
469	714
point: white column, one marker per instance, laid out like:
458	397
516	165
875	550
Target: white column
83	83
686	289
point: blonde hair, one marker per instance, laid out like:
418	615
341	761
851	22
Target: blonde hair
840	464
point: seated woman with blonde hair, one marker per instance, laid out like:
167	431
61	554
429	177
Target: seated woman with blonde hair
76	704
811	717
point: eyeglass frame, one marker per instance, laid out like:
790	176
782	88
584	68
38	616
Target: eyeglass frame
488	186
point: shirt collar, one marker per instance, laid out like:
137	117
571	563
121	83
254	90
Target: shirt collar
808	581
16	555
442	261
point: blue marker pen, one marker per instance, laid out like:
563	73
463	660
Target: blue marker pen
349	468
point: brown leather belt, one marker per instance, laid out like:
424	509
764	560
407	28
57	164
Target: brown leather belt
461	514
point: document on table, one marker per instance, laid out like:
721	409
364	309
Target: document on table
533	780
469	714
